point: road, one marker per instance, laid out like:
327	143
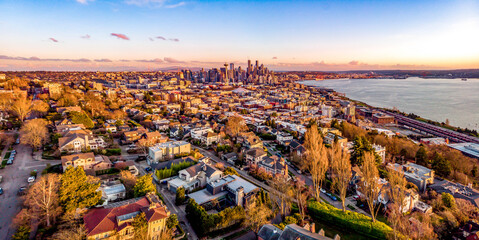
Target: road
15	176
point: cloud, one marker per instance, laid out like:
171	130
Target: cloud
151	39
85	36
175	5
156	3
174	39
121	36
172	60
354	62
156	60
103	60
53	39
4	57
160	37
84	1
275	57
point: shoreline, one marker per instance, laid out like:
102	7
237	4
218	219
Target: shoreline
470	132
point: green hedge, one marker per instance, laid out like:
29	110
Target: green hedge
173	170
350	220
113	151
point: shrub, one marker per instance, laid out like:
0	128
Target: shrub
351	220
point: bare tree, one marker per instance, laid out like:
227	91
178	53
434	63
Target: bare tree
34	133
22	107
95	104
316	160
283	190
42	199
300	194
341	166
129	180
235	125
40	107
396	194
71	233
370	185
256	216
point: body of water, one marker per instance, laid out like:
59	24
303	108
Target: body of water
435	99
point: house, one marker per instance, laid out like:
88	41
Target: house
127	165
198	133
79	139
291	231
64	110
209	138
154	137
250	140
174	132
254	155
110	128
283	137
68	127
274	165
196	176
330	138
230	188
296	148
380	151
114	221
113	191
416	174
230	157
457	190
161	151
134	135
88	161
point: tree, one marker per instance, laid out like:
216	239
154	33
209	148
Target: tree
230	171
180	196
144	185
42	199
172	221
71	233
361	145
396	194
93	103
22	233
421	156
441	165
341	170
22	107
369	185
129	180
34	133
282	192
81	118
78	190
40	107
316	159
300	193
256	216
140	225
448	200
235	125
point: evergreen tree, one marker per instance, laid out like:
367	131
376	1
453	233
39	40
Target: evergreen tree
421	156
78	190
441	165
144	185
180	196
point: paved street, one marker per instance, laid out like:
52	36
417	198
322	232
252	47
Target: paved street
15	176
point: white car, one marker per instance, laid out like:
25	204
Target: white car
31	179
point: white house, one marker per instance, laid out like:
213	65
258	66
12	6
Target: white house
196	176
167	150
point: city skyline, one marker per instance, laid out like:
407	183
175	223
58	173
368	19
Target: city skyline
304	35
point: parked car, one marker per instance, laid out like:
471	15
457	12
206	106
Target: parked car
141	158
9	162
148	169
322	190
1	179
22	191
356	197
1	191
31	179
17	141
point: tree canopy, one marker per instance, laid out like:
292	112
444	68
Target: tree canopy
78	190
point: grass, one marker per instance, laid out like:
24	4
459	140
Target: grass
237	234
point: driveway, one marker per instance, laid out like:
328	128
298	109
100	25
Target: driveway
15	176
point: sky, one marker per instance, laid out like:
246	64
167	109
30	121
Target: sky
108	35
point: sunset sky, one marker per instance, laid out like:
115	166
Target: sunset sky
285	35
